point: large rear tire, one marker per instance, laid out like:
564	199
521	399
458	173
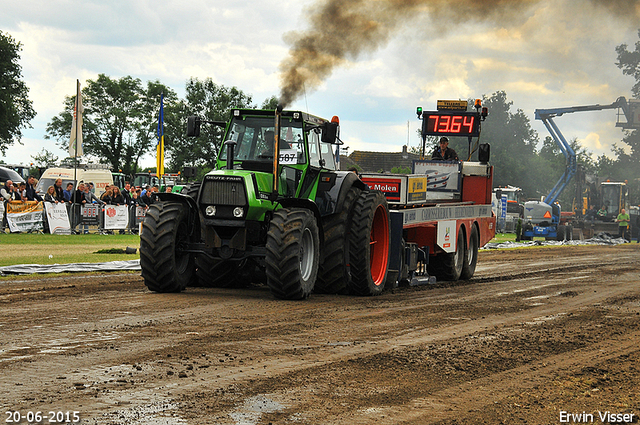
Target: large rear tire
213	273
293	253
165	267
216	273
471	255
448	266
334	274
192	190
369	244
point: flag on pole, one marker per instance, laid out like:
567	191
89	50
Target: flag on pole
160	145
75	141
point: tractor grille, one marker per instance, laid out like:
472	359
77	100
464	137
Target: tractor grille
226	191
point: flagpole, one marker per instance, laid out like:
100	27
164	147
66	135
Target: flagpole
160	145
75	158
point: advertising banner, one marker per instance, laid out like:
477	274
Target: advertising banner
24	216
116	217
447	235
58	218
90	214
442	176
140	213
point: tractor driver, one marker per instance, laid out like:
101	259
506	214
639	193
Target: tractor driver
270	141
444	152
270	144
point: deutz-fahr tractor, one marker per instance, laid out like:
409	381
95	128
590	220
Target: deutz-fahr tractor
274	210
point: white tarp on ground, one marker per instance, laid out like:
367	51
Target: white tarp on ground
111	266
600	239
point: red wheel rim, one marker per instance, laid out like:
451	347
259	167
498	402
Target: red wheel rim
379	245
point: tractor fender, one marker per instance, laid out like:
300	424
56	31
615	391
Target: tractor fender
306	204
178	197
189	203
330	196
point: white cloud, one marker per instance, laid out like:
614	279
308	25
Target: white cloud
558	53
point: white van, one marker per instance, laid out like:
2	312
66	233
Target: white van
97	174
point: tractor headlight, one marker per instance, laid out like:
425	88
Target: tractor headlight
238	212
210	210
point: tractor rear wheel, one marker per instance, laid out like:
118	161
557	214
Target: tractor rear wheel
369	244
334	274
165	266
216	273
448	266
293	253
192	190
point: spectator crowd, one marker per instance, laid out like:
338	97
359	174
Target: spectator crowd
74	199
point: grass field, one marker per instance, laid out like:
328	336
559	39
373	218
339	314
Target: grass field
31	248
504	237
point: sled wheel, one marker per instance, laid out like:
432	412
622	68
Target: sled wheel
471	255
448	266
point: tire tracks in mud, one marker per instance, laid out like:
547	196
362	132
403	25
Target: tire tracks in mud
457	401
275	354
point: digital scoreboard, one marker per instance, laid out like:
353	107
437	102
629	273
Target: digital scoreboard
450	123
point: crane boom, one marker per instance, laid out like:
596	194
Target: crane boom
547	115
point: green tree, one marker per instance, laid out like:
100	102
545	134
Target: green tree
120	120
211	102
44	158
513	146
627	164
401	170
16	110
270	103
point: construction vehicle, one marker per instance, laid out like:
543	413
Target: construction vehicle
508	207
605	199
276	210
174	180
543	218
634	213
142	180
119	179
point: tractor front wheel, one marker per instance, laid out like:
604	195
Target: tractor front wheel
165	266
293	253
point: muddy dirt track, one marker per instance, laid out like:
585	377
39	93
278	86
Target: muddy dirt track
536	335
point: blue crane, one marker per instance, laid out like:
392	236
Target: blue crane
547	116
543	218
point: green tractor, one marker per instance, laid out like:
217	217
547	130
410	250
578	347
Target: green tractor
275	210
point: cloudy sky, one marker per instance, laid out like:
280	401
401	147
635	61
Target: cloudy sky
543	53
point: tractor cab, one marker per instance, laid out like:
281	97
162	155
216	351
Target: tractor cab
613	196
252	134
